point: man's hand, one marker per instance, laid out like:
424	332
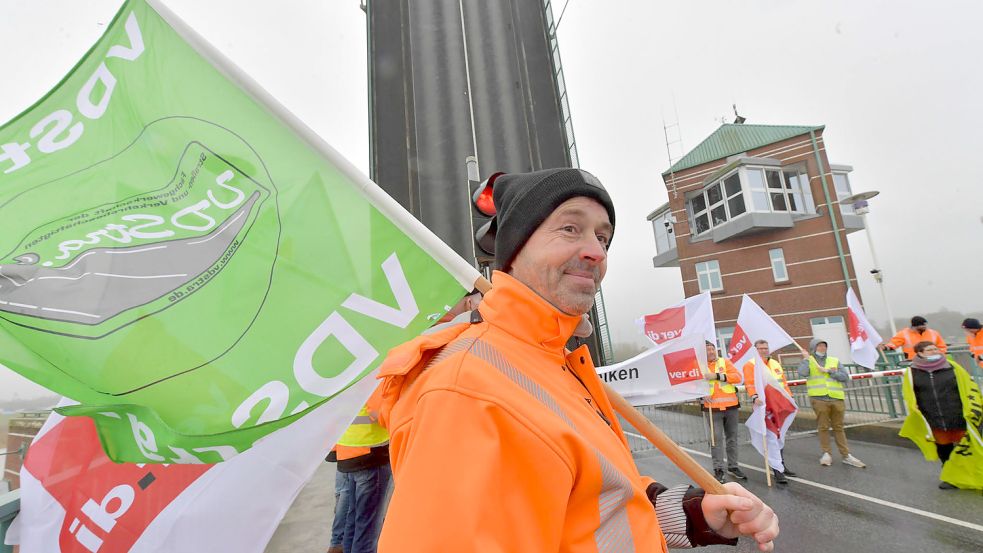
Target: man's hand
741	513
757	401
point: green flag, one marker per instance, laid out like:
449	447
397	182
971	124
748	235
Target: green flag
188	261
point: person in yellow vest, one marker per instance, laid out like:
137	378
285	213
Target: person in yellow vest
723	406
363	460
974	337
945	415
824	381
764	350
917	332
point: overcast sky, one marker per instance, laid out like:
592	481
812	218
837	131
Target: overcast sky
896	83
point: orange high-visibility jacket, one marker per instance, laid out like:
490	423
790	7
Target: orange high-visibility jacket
503	442
908	337
976	346
723	395
776	369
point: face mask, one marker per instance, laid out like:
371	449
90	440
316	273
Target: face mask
934	357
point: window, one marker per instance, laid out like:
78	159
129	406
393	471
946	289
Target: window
774	190
718	203
778	268
708	276
842	184
724	335
664	238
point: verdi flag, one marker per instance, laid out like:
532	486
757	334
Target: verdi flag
693	315
864	338
670	372
771	420
754	324
187	260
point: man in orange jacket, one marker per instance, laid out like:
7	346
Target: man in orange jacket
764	350
974	337
724	407
508	442
917	332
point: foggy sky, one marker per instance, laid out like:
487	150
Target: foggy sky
896	84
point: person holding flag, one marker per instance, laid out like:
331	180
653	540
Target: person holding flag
825	379
917	332
724	407
945	416
508	439
772	414
774	368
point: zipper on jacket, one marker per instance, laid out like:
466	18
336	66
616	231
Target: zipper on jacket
938	405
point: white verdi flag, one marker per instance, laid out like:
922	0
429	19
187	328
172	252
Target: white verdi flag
754	324
863	337
668	373
693	315
773	417
75	500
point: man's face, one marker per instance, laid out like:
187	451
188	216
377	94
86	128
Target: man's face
565	260
821	348
921	328
711	353
762	349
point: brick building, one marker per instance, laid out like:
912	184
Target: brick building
20	432
747	213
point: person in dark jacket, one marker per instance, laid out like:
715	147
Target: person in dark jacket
937	394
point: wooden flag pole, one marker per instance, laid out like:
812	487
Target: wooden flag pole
652	433
712	442
764	442
669	448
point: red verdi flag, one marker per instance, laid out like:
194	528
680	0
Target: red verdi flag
863	337
693	316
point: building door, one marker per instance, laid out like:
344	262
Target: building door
833	331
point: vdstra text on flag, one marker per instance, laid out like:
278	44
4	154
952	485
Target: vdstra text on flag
187	260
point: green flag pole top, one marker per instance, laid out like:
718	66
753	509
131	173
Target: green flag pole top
190	262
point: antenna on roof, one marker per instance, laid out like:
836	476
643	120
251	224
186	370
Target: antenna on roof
738	120
676	141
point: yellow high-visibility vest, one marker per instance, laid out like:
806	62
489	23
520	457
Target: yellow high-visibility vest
364	432
822	384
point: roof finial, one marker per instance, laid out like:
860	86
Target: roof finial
738	120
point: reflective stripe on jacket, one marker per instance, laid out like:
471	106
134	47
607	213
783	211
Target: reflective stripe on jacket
822	384
362	435
908	337
723	394
508	441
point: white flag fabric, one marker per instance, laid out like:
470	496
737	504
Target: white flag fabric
671	372
754	324
772	419
863	337
693	315
75	500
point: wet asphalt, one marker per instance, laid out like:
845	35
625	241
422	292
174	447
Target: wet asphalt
815	520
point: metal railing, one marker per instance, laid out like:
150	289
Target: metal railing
868	401
9	507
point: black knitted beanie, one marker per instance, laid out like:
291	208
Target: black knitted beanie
524	200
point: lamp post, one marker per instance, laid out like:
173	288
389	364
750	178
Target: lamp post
861	208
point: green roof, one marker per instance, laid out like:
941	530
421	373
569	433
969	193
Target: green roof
732	139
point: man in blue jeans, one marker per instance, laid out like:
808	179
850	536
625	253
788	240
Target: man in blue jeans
361	484
342	497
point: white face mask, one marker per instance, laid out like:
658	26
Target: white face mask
933	357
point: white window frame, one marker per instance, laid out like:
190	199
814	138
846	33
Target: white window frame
724	335
777	258
724	202
709	271
665	239
797	189
846	209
